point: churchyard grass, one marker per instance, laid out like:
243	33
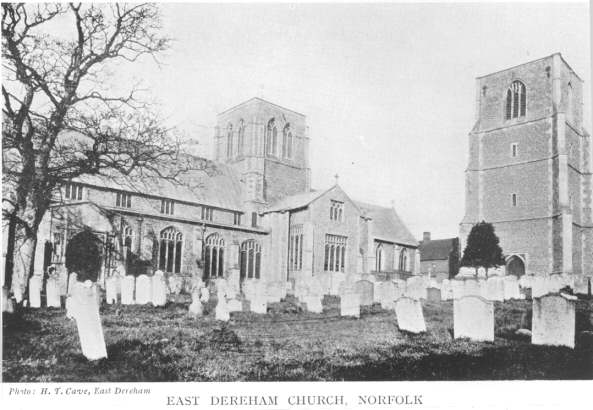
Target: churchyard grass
145	343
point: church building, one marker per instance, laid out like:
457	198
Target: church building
251	214
529	171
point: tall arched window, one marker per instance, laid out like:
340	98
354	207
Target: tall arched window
214	256
403	260
171	241
286	142
240	137
250	259
379	258
229	141
516	100
127	235
271	137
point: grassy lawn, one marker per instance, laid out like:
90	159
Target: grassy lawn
165	344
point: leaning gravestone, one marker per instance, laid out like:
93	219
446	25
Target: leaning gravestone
495	289
433	294
553	321
127	290
111	290
408	312
473	317
88	322
143	289
52	292
159	289
365	290
511	288
35	291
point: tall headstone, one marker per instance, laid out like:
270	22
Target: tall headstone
52	292
495	289
35	291
72	280
143	289
553	321
511	287
128	283
349	302
446	290
159	289
473	317
111	290
410	317
88	322
222	309
258	302
365	290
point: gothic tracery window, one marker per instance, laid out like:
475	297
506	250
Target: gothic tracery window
229	141
379	258
250	260
403	260
286	142
240	138
516	100
214	256
171	241
271	137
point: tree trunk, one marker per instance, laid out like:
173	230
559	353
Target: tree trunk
24	259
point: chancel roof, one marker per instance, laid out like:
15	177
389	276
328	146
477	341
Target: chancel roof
387	225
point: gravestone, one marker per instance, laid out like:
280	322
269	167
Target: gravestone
175	285
473	317
471	287
111	290
553	321
399	289
143	289
235	305
62	279
365	290
337	278
410	317
72	280
495	289
386	294
350	302
313	303
127	290
222	309
52	292
258	302
458	287
159	289
511	288
539	286
196	308
526	281
446	290
35	291
415	288
249	288
433	294
88	321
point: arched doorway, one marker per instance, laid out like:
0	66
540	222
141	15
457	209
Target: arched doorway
515	266
84	256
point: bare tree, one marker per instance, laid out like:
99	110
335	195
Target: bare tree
59	122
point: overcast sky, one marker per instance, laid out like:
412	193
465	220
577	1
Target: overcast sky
388	89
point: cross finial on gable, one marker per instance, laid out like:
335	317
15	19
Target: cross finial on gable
337	177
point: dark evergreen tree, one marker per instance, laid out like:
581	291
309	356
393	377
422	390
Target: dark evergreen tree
482	248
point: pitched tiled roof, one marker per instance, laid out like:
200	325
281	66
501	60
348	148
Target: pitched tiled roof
387	225
437	249
295	201
216	185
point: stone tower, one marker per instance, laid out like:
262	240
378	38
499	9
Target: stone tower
268	145
529	169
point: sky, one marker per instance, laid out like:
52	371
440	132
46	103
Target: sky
388	89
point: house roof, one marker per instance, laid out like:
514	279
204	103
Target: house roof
438	249
211	184
387	225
